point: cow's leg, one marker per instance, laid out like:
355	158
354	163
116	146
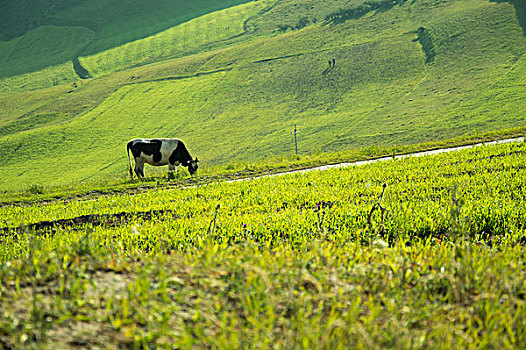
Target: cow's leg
171	169
137	172
139	167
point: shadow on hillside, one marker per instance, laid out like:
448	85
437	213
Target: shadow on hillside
520	11
85	29
358	11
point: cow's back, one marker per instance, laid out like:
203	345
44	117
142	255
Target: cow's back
168	145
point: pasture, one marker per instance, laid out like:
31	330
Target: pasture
35	34
296	261
238	99
178	41
413	253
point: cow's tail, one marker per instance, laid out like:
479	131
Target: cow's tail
128	146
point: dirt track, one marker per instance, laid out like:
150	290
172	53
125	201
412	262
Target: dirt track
108	220
384	159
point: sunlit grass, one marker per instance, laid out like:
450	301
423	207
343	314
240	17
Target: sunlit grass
177	41
289	261
51	76
240	103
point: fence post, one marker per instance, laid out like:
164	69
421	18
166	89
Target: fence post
296	131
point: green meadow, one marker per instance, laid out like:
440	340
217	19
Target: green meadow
405	72
176	41
241	101
416	253
406	253
40	33
27	53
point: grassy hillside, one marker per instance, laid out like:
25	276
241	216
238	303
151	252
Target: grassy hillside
180	40
40	33
42	47
404	72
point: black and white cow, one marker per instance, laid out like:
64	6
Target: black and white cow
159	152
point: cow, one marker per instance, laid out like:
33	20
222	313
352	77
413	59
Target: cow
158	152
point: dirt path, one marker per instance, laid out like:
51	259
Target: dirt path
108	220
384	159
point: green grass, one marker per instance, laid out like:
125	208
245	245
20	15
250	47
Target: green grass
240	102
48	77
38	51
89	259
42	33
288	262
158	177
179	41
31	52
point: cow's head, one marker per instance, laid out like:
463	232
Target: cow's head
192	165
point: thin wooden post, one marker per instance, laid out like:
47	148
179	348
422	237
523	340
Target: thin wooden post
296	131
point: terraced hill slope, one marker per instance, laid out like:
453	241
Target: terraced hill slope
39	33
357	73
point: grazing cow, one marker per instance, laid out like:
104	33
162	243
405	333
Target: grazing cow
159	152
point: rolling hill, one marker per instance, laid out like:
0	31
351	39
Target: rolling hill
232	83
40	33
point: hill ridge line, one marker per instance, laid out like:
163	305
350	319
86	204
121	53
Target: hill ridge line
181	77
219	70
510	70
